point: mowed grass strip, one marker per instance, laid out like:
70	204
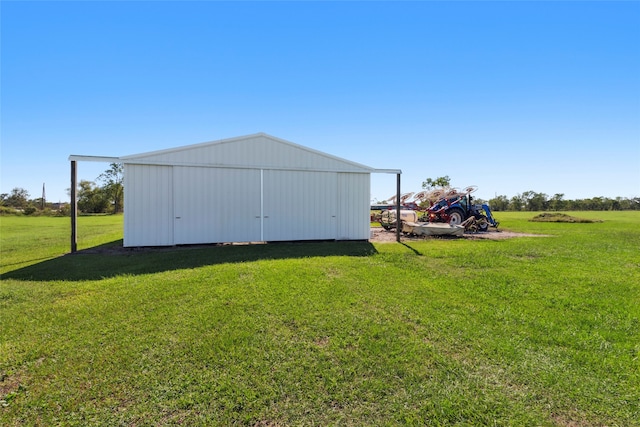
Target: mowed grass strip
29	240
527	331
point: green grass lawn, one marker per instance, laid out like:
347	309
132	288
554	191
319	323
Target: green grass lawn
526	331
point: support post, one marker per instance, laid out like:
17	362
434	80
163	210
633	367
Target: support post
74	207
398	208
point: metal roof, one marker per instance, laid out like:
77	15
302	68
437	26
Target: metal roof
313	159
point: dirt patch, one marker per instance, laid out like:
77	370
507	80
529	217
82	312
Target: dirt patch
382	235
118	249
378	234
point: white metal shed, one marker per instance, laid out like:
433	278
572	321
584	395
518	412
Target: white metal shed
245	189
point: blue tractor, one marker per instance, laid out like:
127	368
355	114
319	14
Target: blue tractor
457	208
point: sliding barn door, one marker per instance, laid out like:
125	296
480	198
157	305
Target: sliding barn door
299	205
215	205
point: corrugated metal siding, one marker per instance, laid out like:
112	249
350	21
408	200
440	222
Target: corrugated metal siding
148	213
259	151
353	206
216	205
190	201
299	205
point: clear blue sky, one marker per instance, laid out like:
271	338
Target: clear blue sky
508	96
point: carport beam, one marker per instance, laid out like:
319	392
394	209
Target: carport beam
398	208
74	187
74	207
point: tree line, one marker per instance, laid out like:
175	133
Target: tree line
104	195
107	196
533	201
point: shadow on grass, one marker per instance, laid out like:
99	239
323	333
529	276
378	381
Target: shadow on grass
415	251
112	259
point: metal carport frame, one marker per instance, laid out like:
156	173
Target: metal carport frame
74	186
104	159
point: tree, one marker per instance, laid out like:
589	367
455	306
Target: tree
516	203
499	203
443	181
19	198
91	199
556	203
536	201
112	185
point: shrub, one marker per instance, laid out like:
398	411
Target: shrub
5	210
29	210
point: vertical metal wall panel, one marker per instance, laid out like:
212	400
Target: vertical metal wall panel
243	189
215	205
353	206
299	205
148	213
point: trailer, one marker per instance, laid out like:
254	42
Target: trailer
449	206
456	207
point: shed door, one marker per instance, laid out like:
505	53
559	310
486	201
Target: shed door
299	205
216	205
